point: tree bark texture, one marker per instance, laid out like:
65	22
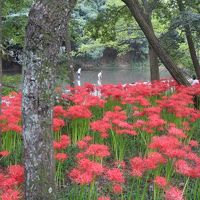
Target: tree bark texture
138	14
44	35
190	42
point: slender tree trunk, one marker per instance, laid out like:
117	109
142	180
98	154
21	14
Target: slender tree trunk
44	35
1	52
154	65
190	42
70	65
153	58
138	14
68	47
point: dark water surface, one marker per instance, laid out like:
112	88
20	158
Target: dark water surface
117	75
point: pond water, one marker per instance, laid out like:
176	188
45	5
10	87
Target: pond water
115	75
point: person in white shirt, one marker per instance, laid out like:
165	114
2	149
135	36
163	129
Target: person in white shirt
79	73
100	75
194	80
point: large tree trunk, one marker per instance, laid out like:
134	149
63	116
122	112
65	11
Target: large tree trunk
190	42
44	35
138	14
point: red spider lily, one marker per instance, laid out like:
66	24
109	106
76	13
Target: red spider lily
91	166
9	182
86	171
58	124
164	142
175	153
89	87
61	157
81	177
10	194
16	172
91	101
86	99
142	101
104	198
57	145
173	193
182	167
78	111
117	189
152	110
122	124
154	121
114	91
117	108
126	131
58	111
98	150
88	138
14	127
186	126
100	126
65	141
160	181
82	144
80	155
137	166
110	116
193	143
4	153
193	157
187	169
139	124
2	178
115	175
195	172
153	160
187	148
104	135
173	131
11	113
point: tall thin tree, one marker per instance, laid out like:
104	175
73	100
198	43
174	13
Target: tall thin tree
68	47
190	42
1	53
138	14
44	35
149	6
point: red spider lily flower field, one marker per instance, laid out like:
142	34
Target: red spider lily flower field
132	142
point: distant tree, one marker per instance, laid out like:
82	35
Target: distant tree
68	47
1	53
15	15
190	41
45	33
149	6
138	14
